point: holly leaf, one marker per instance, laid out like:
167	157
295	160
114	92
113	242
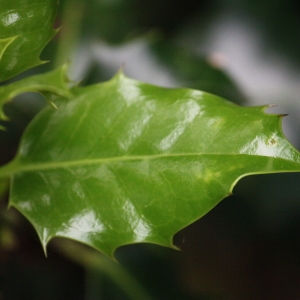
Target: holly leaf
126	162
25	29
50	84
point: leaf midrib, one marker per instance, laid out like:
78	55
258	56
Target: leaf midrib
17	166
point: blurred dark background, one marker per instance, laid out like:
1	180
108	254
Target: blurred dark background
244	50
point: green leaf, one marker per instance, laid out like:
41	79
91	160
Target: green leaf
197	71
127	162
25	29
50	84
3	187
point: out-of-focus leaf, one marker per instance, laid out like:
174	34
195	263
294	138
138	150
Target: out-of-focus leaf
198	72
136	17
3	187
279	25
25	29
127	162
50	84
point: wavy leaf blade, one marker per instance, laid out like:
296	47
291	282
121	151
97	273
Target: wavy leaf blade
50	84
126	162
25	29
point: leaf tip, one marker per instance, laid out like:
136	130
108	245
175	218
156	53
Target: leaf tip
121	69
273	105
44	246
174	247
120	74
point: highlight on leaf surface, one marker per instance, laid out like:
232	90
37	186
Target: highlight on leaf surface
26	26
125	162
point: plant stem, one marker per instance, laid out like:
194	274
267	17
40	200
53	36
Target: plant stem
69	34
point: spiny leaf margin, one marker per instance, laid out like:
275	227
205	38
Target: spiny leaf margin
50	84
26	27
126	162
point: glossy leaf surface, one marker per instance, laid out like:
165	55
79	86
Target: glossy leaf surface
127	162
26	26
